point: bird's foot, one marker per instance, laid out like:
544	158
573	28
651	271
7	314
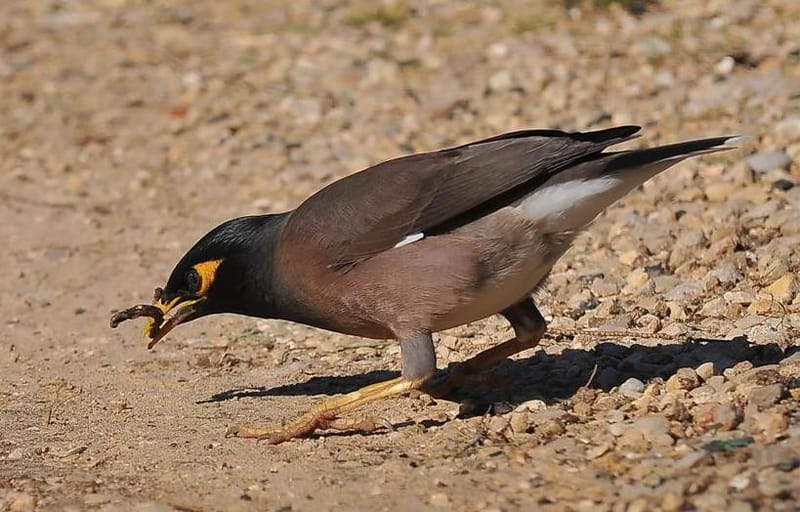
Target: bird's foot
327	415
307	424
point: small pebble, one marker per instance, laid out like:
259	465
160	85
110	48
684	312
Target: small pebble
440	500
783	289
632	388
117	405
598	451
789	128
725	65
703	394
674	329
719	191
605	403
500	81
738	297
684	292
672	502
637	278
691	459
519	422
790	366
685	379
705	371
498	424
532	406
674	409
654	428
717	382
743	372
615	416
638	505
725	417
709	501
742	174
765	396
649	323
633	439
715	308
766	161
604	287
740	482
769	485
15	454
767	424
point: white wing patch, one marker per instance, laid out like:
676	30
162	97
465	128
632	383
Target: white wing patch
410	239
572	204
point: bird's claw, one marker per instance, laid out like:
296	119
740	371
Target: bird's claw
306	425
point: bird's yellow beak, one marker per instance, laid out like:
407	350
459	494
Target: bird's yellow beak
182	310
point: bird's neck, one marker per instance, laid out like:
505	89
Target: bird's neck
256	296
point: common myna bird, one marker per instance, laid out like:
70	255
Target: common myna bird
412	246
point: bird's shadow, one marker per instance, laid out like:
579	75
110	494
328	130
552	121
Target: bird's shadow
313	386
554	377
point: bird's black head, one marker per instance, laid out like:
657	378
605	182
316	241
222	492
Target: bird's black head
227	271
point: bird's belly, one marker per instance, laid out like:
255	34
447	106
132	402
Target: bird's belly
498	294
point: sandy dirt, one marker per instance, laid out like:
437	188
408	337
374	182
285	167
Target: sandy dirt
128	129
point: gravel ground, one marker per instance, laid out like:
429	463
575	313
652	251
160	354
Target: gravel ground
671	377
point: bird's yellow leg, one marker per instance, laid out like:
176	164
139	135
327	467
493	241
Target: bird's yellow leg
327	414
469	371
529	327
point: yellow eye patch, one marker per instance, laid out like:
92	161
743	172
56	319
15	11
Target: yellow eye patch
207	271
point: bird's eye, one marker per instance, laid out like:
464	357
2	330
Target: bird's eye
192	281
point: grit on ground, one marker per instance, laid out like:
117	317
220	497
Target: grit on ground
128	129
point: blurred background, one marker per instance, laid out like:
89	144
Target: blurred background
157	104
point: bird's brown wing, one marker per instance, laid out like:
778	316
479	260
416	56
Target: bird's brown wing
373	210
